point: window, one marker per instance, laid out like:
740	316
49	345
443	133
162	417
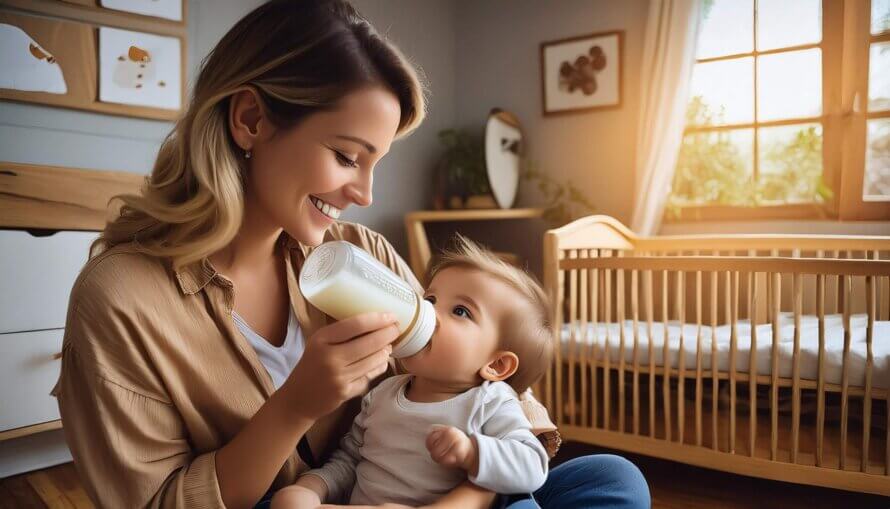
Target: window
773	126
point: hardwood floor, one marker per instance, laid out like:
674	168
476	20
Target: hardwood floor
672	485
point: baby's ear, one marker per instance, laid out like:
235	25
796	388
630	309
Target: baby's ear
501	367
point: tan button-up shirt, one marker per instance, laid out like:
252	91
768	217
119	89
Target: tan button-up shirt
156	377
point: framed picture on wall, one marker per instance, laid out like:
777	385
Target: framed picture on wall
168	9
139	69
581	73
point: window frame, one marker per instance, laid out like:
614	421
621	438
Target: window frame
844	46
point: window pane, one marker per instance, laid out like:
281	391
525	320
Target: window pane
880	16
714	167
783	23
727	28
879	77
722	92
789	85
790	163
876	186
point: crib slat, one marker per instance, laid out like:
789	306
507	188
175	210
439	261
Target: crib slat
733	289
820	376
573	337
557	372
584	354
795	369
715	381
648	278
869	362
846	284
752	363
698	360
634	303
775	301
622	341
607	353
837	284
594	364
666	357
681	359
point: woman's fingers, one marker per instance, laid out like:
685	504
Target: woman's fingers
358	325
367	344
369	364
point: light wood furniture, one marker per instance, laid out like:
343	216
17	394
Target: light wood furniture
418	243
804	431
49	216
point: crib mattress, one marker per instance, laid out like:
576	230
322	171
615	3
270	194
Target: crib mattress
607	338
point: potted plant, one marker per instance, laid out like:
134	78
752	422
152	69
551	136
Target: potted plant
461	180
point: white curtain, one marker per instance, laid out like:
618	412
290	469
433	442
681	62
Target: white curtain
668	56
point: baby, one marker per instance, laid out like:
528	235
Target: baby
456	414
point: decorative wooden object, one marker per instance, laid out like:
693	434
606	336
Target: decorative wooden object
57	198
418	243
803	429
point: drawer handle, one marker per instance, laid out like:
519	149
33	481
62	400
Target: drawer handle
57	356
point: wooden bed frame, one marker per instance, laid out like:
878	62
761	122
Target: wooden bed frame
804	431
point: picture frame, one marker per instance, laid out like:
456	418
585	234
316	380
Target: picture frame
582	73
53	37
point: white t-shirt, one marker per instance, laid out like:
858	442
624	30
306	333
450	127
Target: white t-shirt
384	458
278	360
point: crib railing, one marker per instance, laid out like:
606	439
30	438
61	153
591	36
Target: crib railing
736	420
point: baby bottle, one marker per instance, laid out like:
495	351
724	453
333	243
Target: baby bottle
343	280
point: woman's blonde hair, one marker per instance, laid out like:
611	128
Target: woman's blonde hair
525	330
301	57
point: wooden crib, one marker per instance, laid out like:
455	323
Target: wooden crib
637	320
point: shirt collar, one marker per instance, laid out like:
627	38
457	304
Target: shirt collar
192	278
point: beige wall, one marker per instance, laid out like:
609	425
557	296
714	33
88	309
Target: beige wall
498	64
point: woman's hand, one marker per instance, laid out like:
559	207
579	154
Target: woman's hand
339	362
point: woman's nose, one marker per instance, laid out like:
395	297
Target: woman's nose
360	192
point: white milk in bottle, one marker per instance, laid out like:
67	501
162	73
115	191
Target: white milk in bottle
344	280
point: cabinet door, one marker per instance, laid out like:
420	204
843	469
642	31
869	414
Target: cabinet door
36	275
29	368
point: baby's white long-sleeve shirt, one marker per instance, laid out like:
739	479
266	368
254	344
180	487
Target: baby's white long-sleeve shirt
384	457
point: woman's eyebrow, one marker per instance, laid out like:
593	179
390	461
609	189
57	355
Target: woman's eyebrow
371	148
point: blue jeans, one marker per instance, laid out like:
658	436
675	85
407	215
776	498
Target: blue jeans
600	481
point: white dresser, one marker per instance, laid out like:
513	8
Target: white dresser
36	276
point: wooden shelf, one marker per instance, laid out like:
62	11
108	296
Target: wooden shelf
418	243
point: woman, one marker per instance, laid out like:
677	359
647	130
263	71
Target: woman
194	373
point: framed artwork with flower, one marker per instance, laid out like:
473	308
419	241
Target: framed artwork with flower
581	73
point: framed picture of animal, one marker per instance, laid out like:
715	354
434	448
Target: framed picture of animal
582	73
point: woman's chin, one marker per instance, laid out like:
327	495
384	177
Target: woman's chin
308	235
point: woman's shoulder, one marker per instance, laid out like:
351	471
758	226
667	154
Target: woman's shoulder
117	274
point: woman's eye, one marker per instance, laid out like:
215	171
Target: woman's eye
345	161
461	311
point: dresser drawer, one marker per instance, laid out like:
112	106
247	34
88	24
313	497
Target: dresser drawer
37	274
29	368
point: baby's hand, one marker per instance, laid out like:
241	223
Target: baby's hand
451	447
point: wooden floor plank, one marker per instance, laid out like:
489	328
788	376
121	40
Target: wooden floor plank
672	486
47	490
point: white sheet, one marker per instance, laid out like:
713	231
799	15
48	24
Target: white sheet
809	346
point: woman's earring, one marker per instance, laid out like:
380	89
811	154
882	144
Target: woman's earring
247	154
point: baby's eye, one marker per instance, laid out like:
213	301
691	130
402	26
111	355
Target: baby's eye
461	311
431	298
